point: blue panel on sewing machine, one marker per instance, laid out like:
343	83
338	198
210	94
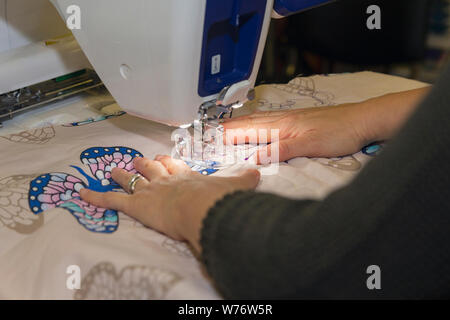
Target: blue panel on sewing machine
230	42
288	7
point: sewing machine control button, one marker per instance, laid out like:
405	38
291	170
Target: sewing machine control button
125	71
215	64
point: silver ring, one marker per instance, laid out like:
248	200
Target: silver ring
133	181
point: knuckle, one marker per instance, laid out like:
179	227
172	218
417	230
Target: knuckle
140	161
165	161
139	164
165	157
149	164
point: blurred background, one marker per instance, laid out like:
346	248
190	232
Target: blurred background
413	42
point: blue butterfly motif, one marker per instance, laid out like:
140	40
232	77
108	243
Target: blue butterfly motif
61	190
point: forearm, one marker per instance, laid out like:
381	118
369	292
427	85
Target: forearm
383	116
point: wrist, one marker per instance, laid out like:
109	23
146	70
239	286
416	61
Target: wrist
369	116
360	120
383	116
189	220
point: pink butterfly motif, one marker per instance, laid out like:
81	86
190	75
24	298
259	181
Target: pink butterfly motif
61	190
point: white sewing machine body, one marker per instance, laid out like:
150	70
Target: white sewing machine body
161	60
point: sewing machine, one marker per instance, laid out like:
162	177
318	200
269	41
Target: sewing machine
171	61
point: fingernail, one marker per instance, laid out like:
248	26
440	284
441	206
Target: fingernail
137	160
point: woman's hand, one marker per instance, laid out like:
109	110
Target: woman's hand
328	131
313	132
172	198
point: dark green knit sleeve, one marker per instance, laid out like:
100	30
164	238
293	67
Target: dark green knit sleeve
395	215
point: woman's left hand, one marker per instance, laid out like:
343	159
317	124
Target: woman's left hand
172	198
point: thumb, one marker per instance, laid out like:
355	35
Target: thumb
247	179
285	150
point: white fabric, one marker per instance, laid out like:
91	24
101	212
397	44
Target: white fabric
134	261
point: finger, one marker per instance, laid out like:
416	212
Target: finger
286	149
150	169
258	114
174	166
123	178
109	200
247	179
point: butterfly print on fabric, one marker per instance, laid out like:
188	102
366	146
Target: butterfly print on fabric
61	190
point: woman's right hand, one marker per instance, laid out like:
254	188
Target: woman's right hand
327	131
313	132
